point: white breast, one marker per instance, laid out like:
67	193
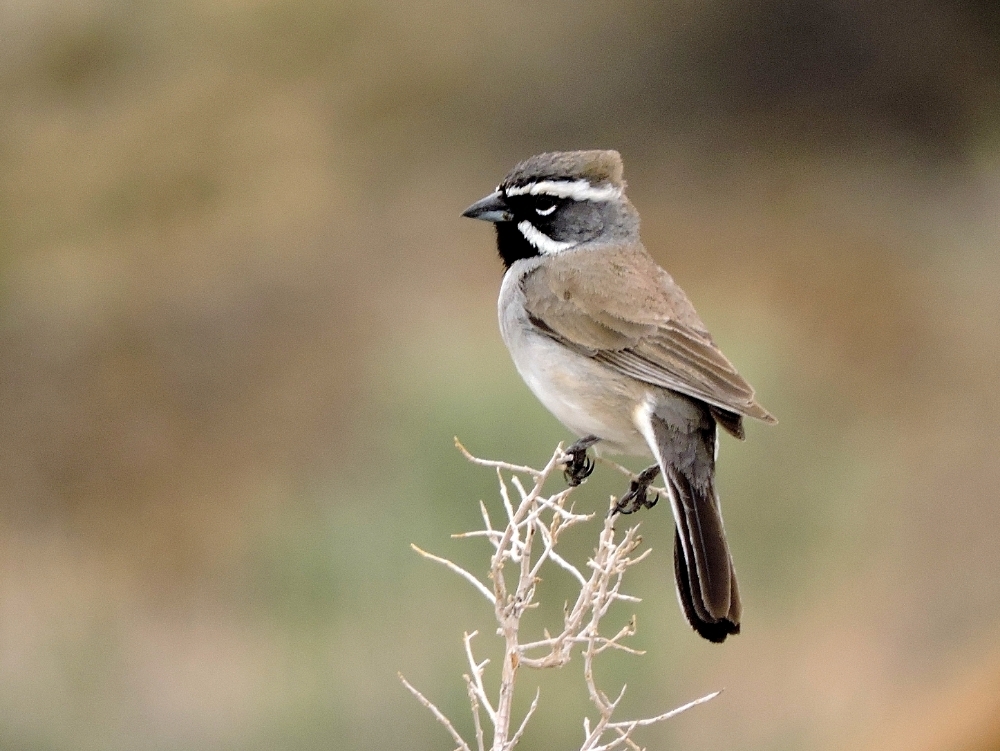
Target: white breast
585	396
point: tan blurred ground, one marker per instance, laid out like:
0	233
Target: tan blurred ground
241	320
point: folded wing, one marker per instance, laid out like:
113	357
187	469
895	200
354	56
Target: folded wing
639	323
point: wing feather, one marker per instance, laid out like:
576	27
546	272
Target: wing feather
638	322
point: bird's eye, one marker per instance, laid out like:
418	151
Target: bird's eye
544	208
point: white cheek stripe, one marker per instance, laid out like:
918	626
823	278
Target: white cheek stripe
577	190
542	242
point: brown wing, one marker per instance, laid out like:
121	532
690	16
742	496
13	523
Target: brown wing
622	309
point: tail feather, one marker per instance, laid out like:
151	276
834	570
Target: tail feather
703	544
713	630
706	581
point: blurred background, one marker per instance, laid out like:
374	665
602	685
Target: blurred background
241	321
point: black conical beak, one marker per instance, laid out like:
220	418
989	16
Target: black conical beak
493	208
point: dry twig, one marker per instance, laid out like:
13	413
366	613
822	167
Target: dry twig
528	541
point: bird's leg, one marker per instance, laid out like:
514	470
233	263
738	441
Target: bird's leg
635	498
578	465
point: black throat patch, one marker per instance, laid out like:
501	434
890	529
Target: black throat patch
512	245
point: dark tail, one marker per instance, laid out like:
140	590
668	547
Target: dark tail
706	581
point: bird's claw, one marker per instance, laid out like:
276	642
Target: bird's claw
579	466
636	498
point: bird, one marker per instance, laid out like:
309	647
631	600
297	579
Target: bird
613	348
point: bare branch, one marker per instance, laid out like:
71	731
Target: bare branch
665	715
524	723
474	704
458	570
498	465
437	714
528	538
477	675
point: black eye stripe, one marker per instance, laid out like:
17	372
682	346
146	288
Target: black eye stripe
537	205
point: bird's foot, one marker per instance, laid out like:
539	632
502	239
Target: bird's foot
636	497
579	466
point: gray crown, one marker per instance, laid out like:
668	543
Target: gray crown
596	167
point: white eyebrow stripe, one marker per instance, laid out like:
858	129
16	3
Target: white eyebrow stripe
542	242
578	190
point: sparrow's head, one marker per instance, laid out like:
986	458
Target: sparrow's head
556	201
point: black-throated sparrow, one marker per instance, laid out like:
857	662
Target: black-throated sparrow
613	348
